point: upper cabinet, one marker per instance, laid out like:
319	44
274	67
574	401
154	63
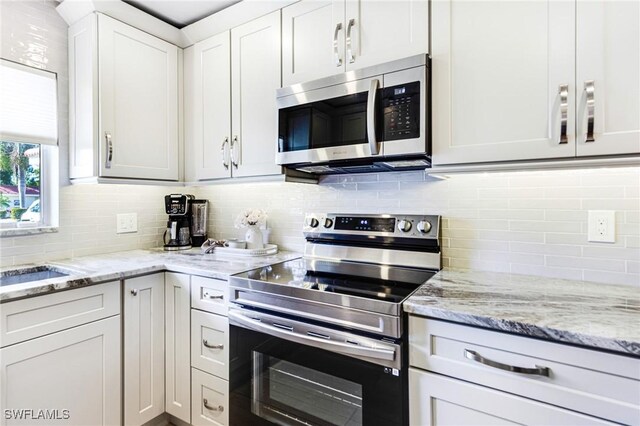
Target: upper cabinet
232	101
607	82
321	38
123	102
518	89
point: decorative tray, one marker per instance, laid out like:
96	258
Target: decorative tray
268	250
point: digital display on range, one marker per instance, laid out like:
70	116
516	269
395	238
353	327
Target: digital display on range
376	224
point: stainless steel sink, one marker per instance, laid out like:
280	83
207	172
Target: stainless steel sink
32	273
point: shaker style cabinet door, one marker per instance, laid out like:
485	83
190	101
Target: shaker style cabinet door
608	82
210	104
255	65
76	370
138	80
143	349
385	30
177	354
313	37
503	80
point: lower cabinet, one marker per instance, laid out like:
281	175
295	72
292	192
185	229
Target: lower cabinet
210	343
144	313
177	353
439	400
209	399
73	375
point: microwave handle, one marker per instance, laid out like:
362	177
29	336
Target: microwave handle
371	116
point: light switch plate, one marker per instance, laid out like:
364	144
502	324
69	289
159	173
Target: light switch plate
602	226
127	223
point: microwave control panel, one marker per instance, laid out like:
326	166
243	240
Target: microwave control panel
401	108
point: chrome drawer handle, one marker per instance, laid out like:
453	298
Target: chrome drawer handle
352	58
209	296
538	370
335	44
590	90
563	91
207	345
208	407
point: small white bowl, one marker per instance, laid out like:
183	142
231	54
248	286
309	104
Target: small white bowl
236	244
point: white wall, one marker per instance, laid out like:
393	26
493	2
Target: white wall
521	222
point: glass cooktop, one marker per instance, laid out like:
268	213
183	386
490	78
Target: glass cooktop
382	283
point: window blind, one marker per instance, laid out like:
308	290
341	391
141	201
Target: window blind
28	104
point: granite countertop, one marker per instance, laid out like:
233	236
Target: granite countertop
590	314
115	266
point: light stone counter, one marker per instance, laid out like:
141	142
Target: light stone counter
595	315
115	266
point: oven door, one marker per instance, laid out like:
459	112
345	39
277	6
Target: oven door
281	381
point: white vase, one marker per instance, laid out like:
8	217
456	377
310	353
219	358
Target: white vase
254	238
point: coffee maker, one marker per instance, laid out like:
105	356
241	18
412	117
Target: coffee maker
177	236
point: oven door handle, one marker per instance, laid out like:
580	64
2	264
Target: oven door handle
337	347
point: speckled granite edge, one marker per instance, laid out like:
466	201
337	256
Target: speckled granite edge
582	313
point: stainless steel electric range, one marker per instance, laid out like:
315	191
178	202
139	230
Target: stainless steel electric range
321	340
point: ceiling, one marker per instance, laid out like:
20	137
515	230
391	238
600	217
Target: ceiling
181	13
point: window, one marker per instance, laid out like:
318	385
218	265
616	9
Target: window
28	146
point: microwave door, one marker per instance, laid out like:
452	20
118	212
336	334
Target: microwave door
328	124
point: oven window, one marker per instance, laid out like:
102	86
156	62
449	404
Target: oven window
329	123
289	394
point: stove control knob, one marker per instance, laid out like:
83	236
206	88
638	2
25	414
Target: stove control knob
312	222
328	223
424	226
404	226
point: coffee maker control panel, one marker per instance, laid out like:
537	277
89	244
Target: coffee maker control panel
176	204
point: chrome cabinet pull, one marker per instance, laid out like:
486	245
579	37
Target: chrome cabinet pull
590	90
208	407
209	296
352	58
225	162
109	142
335	44
134	291
207	345
564	112
234	160
538	370
371	116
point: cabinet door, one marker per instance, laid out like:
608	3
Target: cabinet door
497	71
211	107
210	405
77	370
177	331
143	349
138	82
405	31
608	42
210	343
313	34
255	65
439	400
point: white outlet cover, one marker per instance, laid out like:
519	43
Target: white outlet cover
602	226
127	223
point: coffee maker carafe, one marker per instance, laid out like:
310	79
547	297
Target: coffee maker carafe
177	236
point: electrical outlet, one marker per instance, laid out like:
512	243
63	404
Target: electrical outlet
127	223
602	226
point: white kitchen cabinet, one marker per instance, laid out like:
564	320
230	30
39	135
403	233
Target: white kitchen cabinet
439	400
144	392
497	87
77	369
323	38
234	130
123	102
177	332
608	58
210	399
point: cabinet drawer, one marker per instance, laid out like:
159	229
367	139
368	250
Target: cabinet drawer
588	381
209	399
28	318
437	400
210	295
210	343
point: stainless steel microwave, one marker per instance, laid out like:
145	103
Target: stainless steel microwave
368	120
